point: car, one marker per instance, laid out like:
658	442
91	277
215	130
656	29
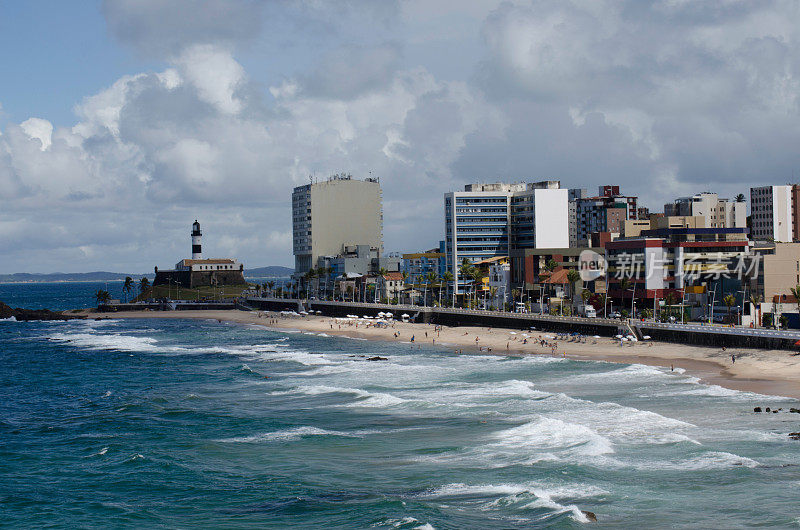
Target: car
615	314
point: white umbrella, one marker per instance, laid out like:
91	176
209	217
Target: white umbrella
405	315
513	333
646	337
618	336
596	336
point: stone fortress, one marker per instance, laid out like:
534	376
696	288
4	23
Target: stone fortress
199	272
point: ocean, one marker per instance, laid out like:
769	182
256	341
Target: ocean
167	423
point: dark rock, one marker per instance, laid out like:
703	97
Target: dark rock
796	411
774	411
767	410
589	515
377	358
794	435
35	314
757	409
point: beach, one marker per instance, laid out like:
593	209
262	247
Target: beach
769	372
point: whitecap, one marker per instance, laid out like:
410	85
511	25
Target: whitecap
94	341
287	435
12	318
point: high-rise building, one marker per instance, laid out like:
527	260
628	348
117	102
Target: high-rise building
719	213
771	213
574	194
330	215
487	220
605	213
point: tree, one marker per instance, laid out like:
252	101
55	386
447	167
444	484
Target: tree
766	320
796	293
514	295
271	286
127	287
144	285
573	277
740	197
756	301
448	278
382	272
730	301
102	297
405	280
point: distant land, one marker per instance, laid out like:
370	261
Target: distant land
273	271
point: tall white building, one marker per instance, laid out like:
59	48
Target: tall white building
331	215
487	220
771	213
718	213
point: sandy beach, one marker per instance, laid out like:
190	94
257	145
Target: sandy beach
770	372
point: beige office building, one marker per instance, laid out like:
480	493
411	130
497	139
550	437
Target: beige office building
330	215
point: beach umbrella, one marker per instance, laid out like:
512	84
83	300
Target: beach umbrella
646	337
797	343
405	315
513	333
618	336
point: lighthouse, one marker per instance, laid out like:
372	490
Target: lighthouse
197	252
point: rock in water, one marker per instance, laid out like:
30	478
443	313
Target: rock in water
794	435
589	515
767	409
377	358
757	409
35	314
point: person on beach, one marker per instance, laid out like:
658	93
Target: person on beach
412	338
733	359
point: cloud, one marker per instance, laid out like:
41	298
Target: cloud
665	98
39	129
162	29
687	95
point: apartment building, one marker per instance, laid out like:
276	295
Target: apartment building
771	213
607	212
330	215
718	213
487	220
573	195
672	259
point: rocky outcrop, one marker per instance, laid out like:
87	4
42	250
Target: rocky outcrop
35	314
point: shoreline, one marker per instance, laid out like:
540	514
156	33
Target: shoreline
767	372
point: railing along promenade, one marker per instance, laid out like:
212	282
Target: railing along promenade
689	333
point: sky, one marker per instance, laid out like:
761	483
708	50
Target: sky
123	121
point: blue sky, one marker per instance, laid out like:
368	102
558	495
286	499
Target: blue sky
121	121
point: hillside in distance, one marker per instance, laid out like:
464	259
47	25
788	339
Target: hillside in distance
272	271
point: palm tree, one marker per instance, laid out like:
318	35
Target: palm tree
796	293
405	279
493	294
127	287
271	286
730	301
573	277
514	295
465	270
430	279
756	301
144	284
102	297
448	279
740	197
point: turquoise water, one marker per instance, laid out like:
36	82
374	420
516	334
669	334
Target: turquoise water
163	423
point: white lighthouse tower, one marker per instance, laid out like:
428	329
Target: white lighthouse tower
197	252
